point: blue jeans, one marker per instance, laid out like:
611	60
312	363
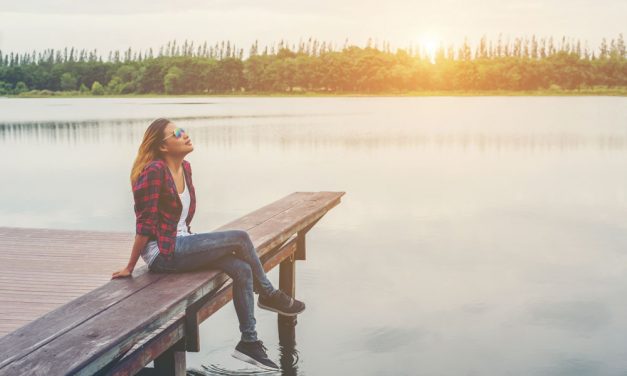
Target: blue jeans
231	251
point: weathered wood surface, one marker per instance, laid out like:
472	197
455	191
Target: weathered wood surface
42	269
96	328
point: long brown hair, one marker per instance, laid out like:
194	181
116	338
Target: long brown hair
149	148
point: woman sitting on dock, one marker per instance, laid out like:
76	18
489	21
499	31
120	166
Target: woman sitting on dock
165	203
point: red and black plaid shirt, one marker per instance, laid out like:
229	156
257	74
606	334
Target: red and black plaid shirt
158	206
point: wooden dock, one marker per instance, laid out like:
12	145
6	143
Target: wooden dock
61	314
42	269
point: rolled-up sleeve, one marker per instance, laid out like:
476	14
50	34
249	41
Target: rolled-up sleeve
146	193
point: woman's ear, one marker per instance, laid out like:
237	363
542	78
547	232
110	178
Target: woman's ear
163	147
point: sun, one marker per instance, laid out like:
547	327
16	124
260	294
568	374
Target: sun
429	44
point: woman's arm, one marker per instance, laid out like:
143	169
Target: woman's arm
138	245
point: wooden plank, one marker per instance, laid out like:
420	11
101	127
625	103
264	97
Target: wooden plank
25	340
292	220
262	214
47	288
274	258
31	276
34	279
140	355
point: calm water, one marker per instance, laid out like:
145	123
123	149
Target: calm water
478	236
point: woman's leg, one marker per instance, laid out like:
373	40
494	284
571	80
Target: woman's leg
243	299
199	251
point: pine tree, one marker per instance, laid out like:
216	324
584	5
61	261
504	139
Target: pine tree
450	52
603	51
254	49
534	47
466	52
620	45
551	47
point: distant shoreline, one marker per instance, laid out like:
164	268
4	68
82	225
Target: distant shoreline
621	91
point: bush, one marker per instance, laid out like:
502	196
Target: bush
97	89
20	87
38	93
555	87
5	88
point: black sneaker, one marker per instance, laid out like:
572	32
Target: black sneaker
254	353
281	303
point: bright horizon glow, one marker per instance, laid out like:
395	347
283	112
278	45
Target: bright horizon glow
429	45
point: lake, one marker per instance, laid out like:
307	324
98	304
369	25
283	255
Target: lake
477	236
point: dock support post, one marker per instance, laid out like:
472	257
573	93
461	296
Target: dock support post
300	253
287	283
172	361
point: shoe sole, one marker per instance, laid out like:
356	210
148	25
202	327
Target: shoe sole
245	358
278	311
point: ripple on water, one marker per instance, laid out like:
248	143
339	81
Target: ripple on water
216	369
288	361
388	339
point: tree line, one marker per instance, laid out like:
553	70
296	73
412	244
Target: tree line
314	66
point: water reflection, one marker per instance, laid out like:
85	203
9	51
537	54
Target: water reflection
212	131
288	363
287	345
214	369
288	355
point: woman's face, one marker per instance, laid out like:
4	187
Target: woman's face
173	145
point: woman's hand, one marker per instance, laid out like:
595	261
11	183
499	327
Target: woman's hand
126	272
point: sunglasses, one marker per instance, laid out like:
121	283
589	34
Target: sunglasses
177	132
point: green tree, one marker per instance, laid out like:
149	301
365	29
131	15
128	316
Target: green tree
172	80
68	82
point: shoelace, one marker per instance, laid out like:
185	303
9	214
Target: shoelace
286	298
262	346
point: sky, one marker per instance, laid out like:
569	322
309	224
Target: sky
27	25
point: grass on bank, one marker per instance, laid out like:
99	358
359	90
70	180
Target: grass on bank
553	91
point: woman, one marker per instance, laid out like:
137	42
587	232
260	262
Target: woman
165	202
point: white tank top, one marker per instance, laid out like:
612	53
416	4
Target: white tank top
151	250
